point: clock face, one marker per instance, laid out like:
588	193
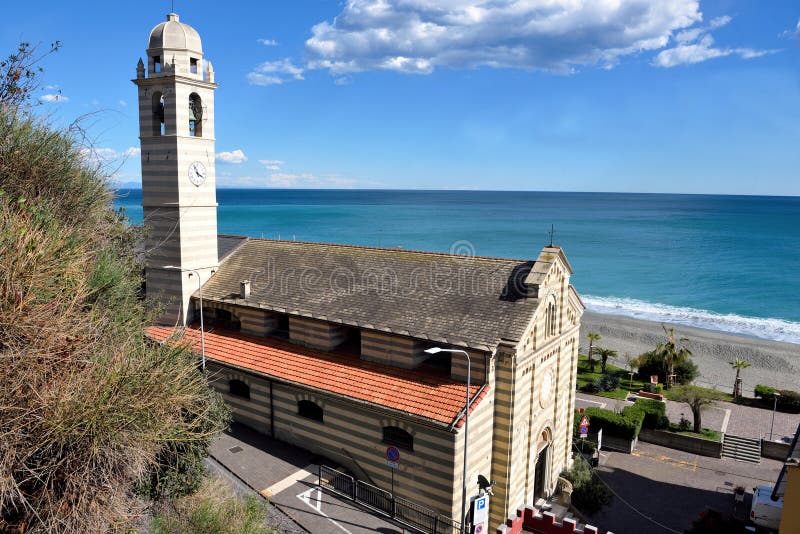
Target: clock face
197	173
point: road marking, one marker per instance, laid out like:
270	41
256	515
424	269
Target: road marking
602	404
725	420
683	464
317	506
289	481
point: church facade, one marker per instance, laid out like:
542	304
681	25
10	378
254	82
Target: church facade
325	346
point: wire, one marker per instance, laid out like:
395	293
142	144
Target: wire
626	503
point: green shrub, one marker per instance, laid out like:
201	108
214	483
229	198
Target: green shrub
589	494
659	389
651	364
591	387
765	392
625	425
609	382
789	401
653	411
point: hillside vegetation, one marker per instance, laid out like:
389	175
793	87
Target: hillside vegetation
94	420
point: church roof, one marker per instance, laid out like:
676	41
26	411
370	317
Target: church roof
175	35
425	392
466	301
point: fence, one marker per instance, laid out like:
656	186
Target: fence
401	510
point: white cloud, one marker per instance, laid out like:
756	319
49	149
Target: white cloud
53	97
123	104
268	42
235	156
104	155
418	36
788	34
275	73
271	164
696	45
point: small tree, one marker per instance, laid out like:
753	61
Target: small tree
592	337
698	400
738	364
605	354
672	353
19	74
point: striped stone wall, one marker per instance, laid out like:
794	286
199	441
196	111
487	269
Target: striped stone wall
458	367
317	334
393	350
253	321
479	460
352	436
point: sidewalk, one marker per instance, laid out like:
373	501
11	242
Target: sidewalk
287	477
744	421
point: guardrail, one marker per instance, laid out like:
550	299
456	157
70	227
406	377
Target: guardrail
409	513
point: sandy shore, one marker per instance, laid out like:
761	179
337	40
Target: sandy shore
772	363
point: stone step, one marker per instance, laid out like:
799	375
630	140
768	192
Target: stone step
742	449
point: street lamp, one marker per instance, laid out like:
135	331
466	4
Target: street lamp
436	350
200	289
774	408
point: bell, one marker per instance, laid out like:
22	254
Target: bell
192	116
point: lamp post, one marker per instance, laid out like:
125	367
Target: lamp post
774	408
436	350
200	289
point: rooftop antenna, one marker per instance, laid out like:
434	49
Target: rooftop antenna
173	7
552	233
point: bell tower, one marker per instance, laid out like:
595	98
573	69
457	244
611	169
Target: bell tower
176	129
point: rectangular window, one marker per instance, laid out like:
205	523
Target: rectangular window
156	63
193	65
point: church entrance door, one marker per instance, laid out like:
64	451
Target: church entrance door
541	471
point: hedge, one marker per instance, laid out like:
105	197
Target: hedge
624	425
788	401
654	412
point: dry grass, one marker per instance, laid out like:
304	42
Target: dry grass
87	406
213	509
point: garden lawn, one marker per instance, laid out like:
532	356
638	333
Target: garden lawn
625	386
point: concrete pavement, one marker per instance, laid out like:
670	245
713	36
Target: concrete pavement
287	477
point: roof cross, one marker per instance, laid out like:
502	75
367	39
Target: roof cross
552	233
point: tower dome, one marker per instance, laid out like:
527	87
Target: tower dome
175	35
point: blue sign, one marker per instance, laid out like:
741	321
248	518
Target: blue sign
480	504
392	454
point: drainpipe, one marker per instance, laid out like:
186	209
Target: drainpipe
271	412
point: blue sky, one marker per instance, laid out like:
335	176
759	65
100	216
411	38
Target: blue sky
626	95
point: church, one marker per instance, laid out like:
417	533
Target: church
328	346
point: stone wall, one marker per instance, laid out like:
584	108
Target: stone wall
703	447
775	450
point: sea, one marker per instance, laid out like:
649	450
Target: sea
725	263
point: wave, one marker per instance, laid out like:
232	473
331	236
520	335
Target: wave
771	329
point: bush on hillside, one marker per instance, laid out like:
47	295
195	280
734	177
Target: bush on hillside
650	364
87	407
212	510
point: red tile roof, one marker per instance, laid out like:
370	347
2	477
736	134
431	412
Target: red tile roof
424	392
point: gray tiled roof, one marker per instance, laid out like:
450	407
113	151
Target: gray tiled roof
472	302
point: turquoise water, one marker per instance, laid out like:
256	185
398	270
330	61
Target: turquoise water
729	263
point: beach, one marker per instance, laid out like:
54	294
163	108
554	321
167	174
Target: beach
772	363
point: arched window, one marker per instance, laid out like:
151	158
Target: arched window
309	410
158	114
237	388
195	115
394	435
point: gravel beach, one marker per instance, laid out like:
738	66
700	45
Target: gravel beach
772	363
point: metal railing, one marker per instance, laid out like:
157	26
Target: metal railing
409	513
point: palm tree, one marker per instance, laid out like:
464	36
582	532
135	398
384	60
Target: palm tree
605	354
672	353
738	364
592	337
